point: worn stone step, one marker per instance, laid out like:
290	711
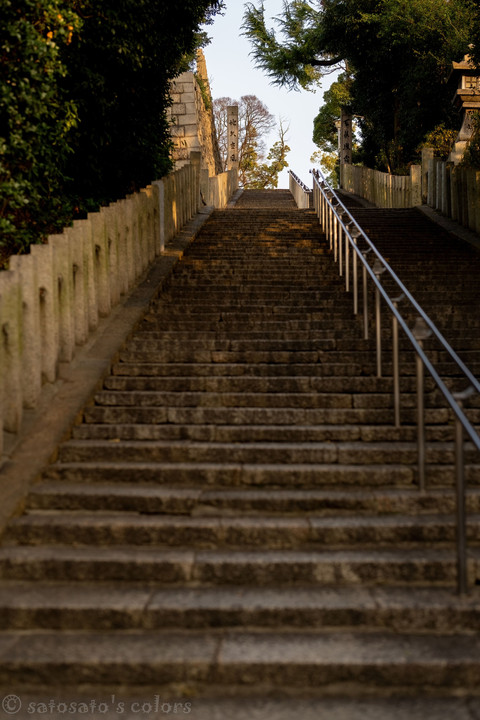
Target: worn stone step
242	474
272	705
333	355
184	354
220	501
85	606
256	415
257	433
239	294
298	384
219	335
345	453
350	662
232	567
308	399
196	346
238	399
196	369
165	326
306	532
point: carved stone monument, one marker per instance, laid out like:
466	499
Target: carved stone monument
232	131
345	138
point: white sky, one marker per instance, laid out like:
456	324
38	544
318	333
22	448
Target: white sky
232	74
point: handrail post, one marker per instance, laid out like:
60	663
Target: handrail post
335	230
461	529
378	269
421	332
365	296
344	250
340	247
347	264
354	234
462	578
396	362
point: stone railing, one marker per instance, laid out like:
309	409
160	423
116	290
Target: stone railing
51	300
218	189
381	189
452	190
299	190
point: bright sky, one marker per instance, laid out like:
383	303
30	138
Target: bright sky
232	74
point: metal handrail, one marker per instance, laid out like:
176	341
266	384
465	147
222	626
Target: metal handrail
336	221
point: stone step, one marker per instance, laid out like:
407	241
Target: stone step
184	354
59	605
225	501
251	475
257	433
275	533
351	662
284	416
303	453
130	366
270	706
270	400
198	346
282	385
232	567
199	369
167	326
222	335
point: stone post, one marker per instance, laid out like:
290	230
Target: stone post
48	311
196	161
416	180
427	157
232	132
26	268
10	351
346	138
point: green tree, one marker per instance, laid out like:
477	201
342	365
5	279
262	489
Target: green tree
36	119
84	89
398	54
263	176
120	66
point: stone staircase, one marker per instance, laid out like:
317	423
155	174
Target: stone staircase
235	523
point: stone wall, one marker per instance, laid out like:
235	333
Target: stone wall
51	300
191	114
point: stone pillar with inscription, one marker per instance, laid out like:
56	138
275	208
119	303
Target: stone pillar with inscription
345	139
232	137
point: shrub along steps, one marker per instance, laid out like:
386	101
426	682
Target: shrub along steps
236	514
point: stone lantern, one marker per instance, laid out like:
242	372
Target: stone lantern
467	101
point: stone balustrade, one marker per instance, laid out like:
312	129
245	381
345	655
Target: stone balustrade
300	191
382	189
51	300
452	190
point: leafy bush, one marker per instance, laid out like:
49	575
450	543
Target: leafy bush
35	118
84	89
